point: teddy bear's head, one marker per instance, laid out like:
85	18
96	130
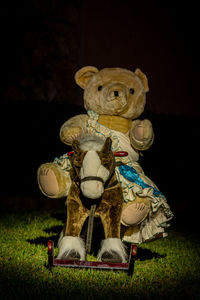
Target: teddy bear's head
113	91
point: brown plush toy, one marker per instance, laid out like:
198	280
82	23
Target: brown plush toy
95	192
114	98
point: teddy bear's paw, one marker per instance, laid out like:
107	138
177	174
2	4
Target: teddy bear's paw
69	134
48	182
71	138
143	130
134	214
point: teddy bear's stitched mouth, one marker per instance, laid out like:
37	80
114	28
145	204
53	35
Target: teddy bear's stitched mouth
118	101
119	98
116	106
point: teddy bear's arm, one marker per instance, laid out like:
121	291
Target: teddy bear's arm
141	134
72	128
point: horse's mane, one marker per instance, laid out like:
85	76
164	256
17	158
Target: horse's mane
91	142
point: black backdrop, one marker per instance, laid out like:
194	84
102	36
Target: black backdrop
43	43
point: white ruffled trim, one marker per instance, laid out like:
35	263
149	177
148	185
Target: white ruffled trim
160	213
152	226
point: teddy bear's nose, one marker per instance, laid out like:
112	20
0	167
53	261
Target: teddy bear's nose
116	93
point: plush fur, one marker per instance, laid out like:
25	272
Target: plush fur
111	245
77	213
110	210
53	181
109	206
126	105
67	244
88	142
93	189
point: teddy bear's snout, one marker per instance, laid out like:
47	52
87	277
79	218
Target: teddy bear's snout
116	92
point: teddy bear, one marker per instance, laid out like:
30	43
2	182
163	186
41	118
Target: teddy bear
114	99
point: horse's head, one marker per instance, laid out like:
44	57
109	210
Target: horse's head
94	163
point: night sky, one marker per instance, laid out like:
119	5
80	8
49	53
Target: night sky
43	43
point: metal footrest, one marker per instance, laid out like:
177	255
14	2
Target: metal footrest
128	267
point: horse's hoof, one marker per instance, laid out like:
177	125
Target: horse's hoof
71	248
111	257
72	255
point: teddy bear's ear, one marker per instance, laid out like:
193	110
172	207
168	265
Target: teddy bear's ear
143	78
83	75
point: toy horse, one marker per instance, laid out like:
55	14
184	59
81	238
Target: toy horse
95	184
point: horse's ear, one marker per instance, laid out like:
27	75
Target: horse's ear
76	146
107	145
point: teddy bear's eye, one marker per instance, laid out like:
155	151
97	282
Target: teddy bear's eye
132	91
100	87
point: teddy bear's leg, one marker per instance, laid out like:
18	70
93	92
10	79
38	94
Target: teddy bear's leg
112	248
70	245
135	212
53	181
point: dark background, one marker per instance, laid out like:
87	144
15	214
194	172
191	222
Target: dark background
43	44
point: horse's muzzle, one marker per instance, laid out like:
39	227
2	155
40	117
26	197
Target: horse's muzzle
92	188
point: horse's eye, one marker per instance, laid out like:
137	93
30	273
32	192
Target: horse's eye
77	163
105	161
77	166
132	91
100	88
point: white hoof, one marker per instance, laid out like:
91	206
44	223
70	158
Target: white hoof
112	249
70	247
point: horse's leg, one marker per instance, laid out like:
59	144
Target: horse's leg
70	244
76	216
109	211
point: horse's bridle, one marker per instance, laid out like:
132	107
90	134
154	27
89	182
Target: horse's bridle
97	178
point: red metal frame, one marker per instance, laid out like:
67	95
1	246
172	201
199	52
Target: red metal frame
128	267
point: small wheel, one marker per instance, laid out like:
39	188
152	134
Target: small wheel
133	253
50	253
133	250
50	247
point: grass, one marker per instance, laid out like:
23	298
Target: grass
165	269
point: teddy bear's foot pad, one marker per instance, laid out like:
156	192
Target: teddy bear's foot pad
48	182
135	213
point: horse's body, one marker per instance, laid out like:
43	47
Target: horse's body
93	182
